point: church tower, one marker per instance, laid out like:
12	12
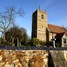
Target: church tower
39	25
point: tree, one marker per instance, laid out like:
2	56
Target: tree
16	35
7	19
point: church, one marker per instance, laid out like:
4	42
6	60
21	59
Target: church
46	32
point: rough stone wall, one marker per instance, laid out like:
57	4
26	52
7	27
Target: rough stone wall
23	58
58	58
65	54
51	35
33	58
41	25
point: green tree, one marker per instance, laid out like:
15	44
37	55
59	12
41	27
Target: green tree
16	36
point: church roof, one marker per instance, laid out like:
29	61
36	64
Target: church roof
56	29
66	33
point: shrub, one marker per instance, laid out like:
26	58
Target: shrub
58	44
42	43
35	41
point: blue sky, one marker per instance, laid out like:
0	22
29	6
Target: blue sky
56	11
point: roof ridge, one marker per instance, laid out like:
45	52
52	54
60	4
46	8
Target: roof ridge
55	25
55	28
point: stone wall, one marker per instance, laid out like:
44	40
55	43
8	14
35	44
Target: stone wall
39	25
33	58
65	54
23	58
51	36
58	58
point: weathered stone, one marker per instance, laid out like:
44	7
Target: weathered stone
1	57
23	58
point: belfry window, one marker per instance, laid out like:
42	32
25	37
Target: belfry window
42	16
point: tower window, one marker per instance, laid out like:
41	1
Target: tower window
42	16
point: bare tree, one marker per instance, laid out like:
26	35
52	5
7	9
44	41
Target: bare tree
7	19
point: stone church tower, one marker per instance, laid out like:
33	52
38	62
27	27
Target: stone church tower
39	25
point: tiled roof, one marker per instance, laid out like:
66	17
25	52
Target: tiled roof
66	33
56	29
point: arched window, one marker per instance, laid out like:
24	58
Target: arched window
42	16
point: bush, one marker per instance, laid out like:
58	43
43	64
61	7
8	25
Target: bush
4	43
1	41
35	41
58	44
42	43
7	44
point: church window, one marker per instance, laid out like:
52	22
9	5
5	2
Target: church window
42	16
64	40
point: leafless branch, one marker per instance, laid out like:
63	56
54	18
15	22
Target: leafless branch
2	22
20	12
1	31
1	27
7	18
